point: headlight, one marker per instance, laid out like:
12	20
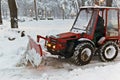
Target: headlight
54	47
49	45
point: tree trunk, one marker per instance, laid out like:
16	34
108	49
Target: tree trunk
109	3
13	13
63	14
96	3
35	8
0	14
83	3
78	2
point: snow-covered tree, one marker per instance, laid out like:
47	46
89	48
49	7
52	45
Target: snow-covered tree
49	8
4	8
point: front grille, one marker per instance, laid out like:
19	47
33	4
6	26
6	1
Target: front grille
53	41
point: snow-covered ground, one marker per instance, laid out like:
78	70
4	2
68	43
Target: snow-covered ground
52	68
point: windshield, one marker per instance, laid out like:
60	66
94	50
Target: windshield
82	20
92	22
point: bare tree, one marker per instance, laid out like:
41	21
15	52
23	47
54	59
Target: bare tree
0	14
83	2
35	8
79	3
13	13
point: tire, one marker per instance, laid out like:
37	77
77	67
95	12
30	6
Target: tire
108	51
83	53
69	50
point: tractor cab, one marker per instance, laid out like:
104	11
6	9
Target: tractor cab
87	23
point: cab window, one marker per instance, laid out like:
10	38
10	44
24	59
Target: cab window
112	23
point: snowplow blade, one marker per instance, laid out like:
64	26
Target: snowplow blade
33	53
34	45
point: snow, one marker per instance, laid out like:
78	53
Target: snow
52	68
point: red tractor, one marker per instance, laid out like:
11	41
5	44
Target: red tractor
84	41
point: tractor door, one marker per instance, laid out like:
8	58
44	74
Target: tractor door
99	29
92	24
112	29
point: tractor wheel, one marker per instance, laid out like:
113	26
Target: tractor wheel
83	53
108	51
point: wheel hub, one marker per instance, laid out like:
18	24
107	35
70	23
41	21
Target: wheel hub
85	55
110	52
